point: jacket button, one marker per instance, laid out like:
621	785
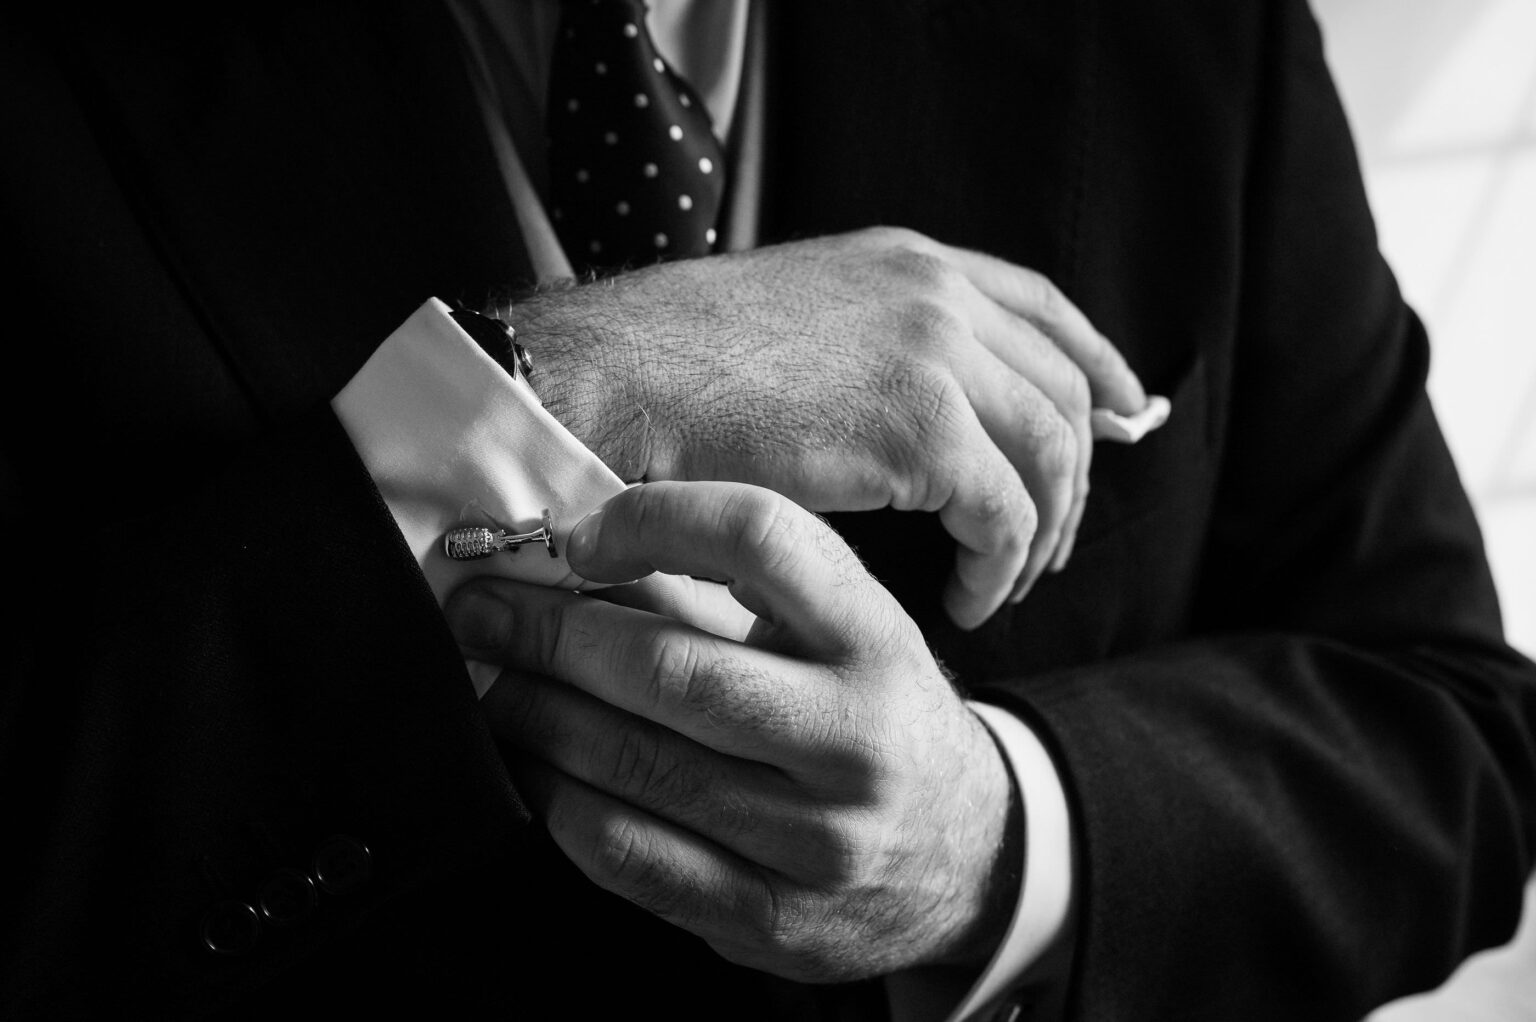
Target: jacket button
231	928
286	898
342	865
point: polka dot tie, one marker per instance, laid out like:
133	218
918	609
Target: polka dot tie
636	173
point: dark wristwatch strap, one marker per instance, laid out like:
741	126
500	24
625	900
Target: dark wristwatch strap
497	339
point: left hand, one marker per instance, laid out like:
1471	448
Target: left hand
815	800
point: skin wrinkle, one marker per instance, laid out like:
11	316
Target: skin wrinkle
773	539
733	813
929	412
618	853
638	759
670	668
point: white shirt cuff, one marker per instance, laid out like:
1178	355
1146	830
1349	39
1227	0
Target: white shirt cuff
452	440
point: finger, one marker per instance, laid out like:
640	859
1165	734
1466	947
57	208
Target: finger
1032	295
699	602
743	806
674	874
1037	442
780	562
738	700
993	521
631	758
1021	347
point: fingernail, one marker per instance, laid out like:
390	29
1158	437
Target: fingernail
583	542
480	619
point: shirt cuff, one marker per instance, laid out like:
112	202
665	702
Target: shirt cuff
1045	893
452	440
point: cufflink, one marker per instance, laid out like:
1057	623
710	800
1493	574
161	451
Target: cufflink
474	542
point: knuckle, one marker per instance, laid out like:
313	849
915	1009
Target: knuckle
618	851
1008	513
636	761
926	436
928	396
668	665
995	510
1024	399
1007	517
888	236
832	853
922	271
928	322
749	510
774	924
1055	447
1063	447
623	854
654	510
803	933
765	529
732	815
640	764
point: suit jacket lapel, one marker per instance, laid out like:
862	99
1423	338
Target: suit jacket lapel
308	196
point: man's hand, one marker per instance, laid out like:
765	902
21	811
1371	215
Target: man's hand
866	370
815	801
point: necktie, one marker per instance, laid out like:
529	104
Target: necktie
636	173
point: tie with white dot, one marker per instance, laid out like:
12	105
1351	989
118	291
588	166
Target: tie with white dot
635	171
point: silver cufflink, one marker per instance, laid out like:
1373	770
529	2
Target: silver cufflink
474	542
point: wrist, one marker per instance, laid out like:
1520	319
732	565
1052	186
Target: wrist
996	890
589	373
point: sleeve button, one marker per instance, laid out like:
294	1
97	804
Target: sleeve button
342	865
287	898
231	928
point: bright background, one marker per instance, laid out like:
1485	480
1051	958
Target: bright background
1442	98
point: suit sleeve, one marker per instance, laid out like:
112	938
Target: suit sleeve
1324	798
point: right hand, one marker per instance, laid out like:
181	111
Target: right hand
813	798
852	372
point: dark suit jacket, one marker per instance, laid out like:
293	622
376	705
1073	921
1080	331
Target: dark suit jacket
1299	753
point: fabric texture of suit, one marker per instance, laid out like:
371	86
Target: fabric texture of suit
1299	753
